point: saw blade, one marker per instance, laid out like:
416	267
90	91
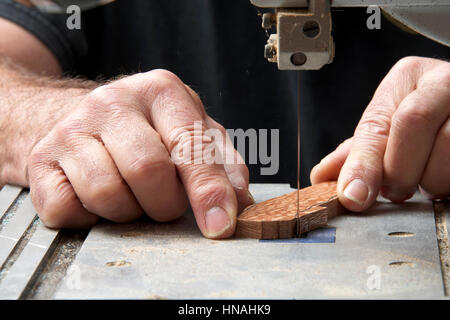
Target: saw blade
298	153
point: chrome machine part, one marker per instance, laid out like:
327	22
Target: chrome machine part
303	40
60	6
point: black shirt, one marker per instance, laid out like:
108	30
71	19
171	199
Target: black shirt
217	48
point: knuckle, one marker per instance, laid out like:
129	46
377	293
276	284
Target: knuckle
98	97
184	137
365	165
148	167
374	123
408	63
161	87
238	175
37	157
197	101
245	172
413	114
108	105
341	146
442	76
344	144
156	88
207	193
159	83
70	132
39	160
104	96
55	211
164	74
194	95
112	99
117	113
102	196
71	127
221	129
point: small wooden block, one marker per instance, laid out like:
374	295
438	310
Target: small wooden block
276	218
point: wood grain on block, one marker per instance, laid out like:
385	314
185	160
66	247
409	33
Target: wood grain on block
276	218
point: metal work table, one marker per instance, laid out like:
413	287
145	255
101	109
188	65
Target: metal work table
391	251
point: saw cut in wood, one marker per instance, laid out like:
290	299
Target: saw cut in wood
276	218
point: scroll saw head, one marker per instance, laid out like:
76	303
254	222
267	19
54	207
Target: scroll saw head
303	39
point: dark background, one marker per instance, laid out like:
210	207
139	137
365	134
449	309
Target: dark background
216	47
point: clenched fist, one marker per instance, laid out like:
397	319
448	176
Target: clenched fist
110	157
401	142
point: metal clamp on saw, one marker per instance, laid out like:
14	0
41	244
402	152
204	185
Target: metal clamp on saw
303	39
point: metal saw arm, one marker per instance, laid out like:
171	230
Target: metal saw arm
303	40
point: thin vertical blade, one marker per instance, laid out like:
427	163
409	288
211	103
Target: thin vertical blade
298	153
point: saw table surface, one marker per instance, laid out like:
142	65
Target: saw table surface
391	251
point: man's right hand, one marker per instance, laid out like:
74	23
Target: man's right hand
111	158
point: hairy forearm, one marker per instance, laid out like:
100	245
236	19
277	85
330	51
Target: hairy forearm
30	105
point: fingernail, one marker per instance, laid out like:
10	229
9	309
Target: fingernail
217	221
357	191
